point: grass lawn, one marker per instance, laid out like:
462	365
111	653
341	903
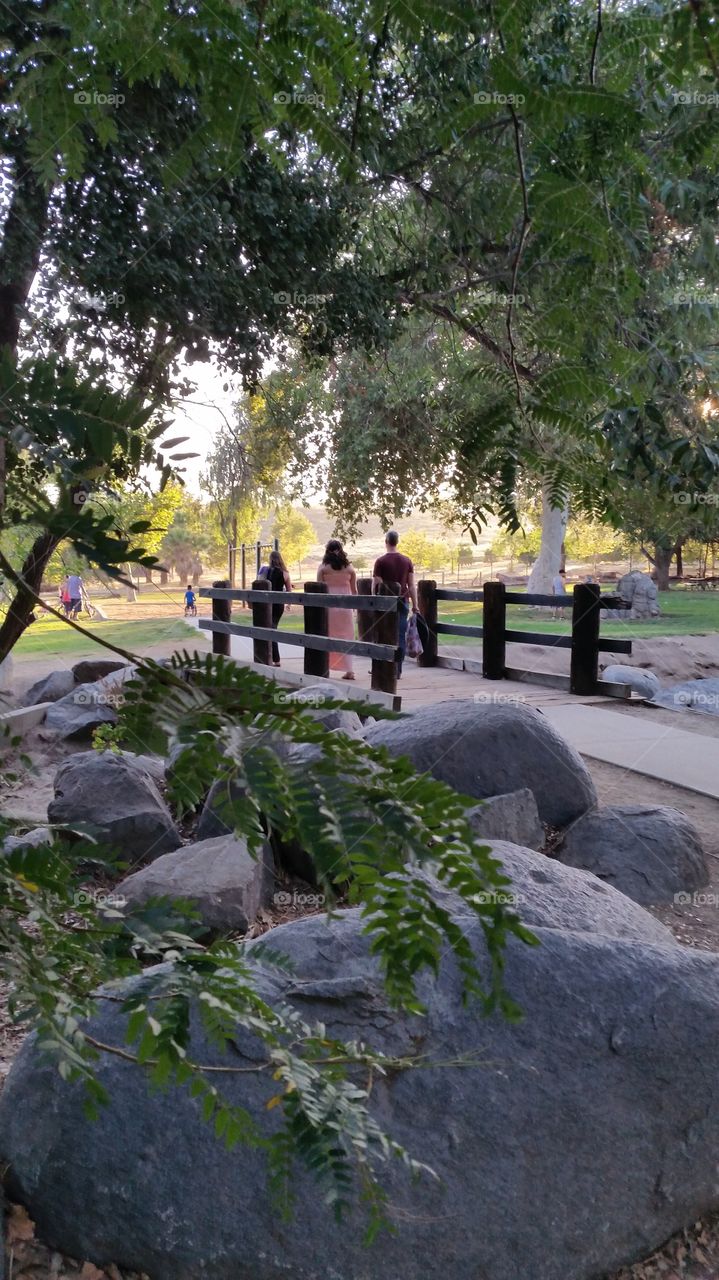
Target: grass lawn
48	638
683	613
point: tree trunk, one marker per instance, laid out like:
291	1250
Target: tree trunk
662	560
680	560
164	577
20	611
548	563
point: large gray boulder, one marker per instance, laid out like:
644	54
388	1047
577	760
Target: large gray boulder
485	749
699	695
33	839
650	854
77	714
642	682
57	685
117	801
512	817
584	1136
548	895
226	885
91	669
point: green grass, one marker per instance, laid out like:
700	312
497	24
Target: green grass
683	613
48	638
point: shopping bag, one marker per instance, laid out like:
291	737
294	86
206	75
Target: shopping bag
413	643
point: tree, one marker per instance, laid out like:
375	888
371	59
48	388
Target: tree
295	534
193	540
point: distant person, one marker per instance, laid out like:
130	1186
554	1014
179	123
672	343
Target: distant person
341	579
559	588
279	580
190	602
64	594
393	567
74	586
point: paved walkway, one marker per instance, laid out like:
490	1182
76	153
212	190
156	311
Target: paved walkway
641	744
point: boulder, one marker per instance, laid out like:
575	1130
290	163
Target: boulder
642	682
117	801
7	673
226	885
512	817
548	895
154	766
651	854
79	713
28	840
91	669
487	749
584	1136
700	695
57	685
214	820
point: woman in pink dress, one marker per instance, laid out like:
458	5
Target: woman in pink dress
341	580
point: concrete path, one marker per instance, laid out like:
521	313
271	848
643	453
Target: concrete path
640	744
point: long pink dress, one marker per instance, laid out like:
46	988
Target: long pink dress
341	624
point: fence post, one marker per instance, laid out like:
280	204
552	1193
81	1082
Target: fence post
258	558
221	612
243	564
427	606
261	617
584	658
380	628
494	625
317	661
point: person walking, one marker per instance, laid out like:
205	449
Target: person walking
279	580
190	602
394	567
74	587
341	579
559	589
64	593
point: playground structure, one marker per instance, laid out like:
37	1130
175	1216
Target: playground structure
249	551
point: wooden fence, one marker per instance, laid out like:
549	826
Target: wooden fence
377	625
585	641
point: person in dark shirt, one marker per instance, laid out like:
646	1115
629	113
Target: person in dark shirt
279	580
394	567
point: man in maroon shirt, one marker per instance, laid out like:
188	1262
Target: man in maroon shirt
393	566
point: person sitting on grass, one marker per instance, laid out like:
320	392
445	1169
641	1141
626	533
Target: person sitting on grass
190	605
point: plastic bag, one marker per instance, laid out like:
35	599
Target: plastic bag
413	646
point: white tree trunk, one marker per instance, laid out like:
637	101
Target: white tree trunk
546	566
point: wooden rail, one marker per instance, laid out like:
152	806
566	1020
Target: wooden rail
585	642
377	617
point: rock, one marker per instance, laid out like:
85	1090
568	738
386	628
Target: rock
227	886
118	801
154	766
214	820
77	714
91	669
57	685
651	854
28	840
700	695
548	895
7	673
640	591
487	749
510	817
641	681
584	1137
